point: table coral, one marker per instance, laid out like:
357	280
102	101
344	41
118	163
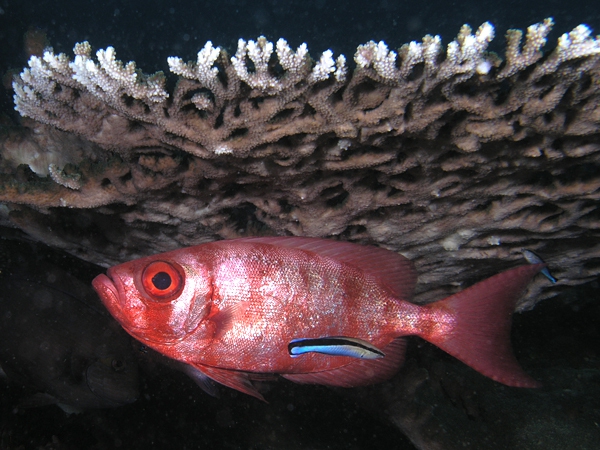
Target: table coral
452	157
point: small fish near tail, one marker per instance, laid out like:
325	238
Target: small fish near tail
477	325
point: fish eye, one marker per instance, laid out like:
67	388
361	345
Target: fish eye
162	280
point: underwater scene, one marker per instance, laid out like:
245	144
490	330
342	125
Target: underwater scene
299	225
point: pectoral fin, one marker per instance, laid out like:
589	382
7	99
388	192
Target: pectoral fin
200	378
335	346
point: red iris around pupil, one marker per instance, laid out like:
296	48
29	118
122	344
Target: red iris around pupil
162	280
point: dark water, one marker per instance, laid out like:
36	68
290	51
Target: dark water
172	412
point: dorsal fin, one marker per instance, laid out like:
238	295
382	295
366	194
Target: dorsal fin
393	270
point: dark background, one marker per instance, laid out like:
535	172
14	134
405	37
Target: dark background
150	31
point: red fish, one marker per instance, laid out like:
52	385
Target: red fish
311	310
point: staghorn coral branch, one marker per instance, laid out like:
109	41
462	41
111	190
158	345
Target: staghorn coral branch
449	156
517	60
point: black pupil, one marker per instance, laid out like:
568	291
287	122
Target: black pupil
162	280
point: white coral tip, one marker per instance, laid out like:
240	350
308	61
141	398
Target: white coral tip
208	55
324	67
485	33
341	71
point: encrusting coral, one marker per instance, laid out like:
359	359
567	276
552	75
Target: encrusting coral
450	157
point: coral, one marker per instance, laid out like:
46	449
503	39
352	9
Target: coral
450	156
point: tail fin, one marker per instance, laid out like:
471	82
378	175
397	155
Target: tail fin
482	317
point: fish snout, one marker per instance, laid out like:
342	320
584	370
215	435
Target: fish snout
109	292
122	302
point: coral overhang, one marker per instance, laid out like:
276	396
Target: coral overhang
449	156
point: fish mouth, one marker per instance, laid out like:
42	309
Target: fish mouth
110	291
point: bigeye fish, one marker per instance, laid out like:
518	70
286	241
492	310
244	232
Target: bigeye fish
310	310
56	338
